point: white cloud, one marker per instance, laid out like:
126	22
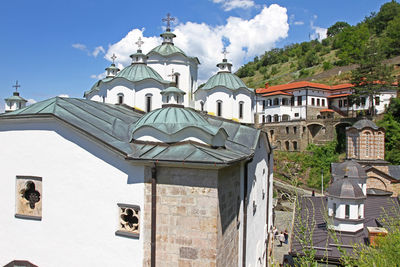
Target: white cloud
232	4
96	51
31	101
319	32
297	23
79	46
247	38
64	95
99	76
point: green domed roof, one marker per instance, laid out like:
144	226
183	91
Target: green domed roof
167	49
139	72
172	89
225	79
171	120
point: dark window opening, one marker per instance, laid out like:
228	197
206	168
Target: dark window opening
313	101
287	145
299	100
241	110
294	145
296	114
148	103
287	130
318	102
202	106
120	99
347	211
323	102
219	108
334	209
294	129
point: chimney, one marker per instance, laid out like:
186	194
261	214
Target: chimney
374	232
266	85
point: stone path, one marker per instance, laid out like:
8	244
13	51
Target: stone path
283	220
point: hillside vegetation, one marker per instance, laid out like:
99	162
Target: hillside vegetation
344	46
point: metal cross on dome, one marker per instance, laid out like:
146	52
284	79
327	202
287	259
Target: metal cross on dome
16	86
139	42
113	58
168	19
224	52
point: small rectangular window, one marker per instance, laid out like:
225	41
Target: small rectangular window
287	130
312	101
323	102
296	114
219	108
334	209
294	129
340	103
345	103
318	102
299	100
148	103
241	110
264	103
377	101
347	214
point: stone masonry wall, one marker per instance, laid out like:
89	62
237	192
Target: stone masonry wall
187	217
229	203
382	183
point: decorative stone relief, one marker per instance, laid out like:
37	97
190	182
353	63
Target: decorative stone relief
28	197
129	218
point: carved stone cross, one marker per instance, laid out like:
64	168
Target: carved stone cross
224	52
113	58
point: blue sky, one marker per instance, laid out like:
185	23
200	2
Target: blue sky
61	47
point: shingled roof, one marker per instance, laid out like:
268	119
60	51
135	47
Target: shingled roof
311	212
112	125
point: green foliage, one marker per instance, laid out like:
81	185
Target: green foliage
337	28
392	38
387	13
304	73
391	123
327	65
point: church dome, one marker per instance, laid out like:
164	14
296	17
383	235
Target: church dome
171	120
350	169
139	72
346	188
361	124
225	79
167	49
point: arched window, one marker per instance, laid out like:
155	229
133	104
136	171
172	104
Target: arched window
148	102
269	102
287	146
219	108
201	105
176	75
120	98
294	145
367	144
284	102
269	118
276	118
276	101
241	109
347	211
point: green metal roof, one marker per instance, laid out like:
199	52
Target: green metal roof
113	125
171	120
167	50
173	89
139	72
227	80
96	86
15	98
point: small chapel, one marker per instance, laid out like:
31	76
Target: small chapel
134	175
360	201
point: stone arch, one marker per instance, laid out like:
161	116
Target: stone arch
376	182
287	145
314	128
285	117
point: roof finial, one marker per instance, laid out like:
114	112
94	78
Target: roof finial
139	43
113	58
224	52
168	19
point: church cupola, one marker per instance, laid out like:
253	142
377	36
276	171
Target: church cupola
168	36
224	66
172	96
15	101
139	57
112	70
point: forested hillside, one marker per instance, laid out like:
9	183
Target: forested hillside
344	46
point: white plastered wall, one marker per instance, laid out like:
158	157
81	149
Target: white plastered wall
82	184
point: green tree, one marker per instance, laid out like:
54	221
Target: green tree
392	38
351	42
387	12
336	28
391	123
372	76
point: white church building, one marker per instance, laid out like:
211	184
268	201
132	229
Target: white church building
133	176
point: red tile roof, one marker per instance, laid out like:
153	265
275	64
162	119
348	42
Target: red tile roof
296	85
336	96
277	93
